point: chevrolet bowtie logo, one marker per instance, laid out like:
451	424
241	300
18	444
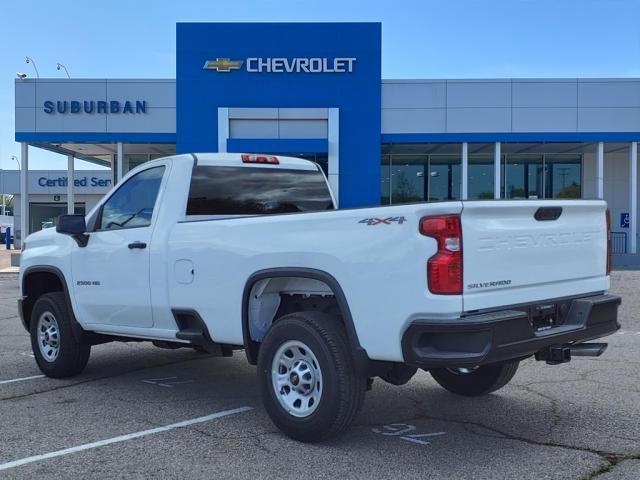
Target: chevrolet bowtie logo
223	64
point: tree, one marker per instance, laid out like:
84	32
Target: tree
8	204
571	191
404	191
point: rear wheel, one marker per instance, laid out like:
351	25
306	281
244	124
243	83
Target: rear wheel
307	378
57	352
475	381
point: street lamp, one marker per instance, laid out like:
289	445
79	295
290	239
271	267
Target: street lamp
17	161
30	60
61	65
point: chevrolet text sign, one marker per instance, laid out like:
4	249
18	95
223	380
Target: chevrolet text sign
284	65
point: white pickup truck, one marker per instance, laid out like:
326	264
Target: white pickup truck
222	252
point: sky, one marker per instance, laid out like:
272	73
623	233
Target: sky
420	39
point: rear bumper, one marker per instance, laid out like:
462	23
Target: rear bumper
505	335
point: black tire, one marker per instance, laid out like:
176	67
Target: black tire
342	390
72	356
399	374
480	381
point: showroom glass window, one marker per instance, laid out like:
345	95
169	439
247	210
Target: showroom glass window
523	176
563	176
536	176
431	172
132	204
481	177
419	172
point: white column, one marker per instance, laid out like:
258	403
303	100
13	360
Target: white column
633	197
496	171
464	174
223	129
70	184
333	154
24	194
600	170
119	161
3	199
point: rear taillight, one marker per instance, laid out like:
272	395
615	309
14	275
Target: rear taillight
444	269
608	216
251	158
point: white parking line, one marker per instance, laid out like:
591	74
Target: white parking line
23	379
121	438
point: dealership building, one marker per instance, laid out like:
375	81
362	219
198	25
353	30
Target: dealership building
315	91
47	197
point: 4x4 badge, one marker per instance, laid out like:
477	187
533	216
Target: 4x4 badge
383	221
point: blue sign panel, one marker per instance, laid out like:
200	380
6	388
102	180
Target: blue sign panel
624	220
286	65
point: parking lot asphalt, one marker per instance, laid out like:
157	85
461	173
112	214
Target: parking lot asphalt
138	411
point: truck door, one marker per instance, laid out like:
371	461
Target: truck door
111	274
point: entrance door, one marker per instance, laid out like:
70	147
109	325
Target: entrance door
45	215
111	274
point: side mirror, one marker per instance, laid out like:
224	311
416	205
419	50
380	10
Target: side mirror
71	224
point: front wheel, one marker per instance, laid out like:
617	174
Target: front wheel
308	381
57	352
475	381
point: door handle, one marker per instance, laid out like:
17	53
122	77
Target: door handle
137	245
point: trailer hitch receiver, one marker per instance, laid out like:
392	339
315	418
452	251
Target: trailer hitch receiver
558	354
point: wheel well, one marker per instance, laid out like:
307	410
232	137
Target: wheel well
36	284
271	298
268	297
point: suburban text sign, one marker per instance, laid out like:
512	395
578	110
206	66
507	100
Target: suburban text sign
95	107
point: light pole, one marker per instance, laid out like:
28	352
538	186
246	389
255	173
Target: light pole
17	161
62	66
30	60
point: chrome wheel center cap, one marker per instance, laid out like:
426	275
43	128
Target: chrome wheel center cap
302	376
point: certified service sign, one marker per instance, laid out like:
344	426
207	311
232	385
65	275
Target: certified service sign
284	65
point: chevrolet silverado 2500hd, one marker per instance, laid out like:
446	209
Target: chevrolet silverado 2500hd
221	252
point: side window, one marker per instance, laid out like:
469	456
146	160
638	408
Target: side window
132	204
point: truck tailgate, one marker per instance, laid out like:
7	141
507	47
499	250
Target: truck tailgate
512	257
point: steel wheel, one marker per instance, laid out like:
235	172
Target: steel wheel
297	378
48	336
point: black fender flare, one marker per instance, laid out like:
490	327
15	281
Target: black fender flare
46	269
251	347
78	331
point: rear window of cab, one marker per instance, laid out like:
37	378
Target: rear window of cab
225	190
